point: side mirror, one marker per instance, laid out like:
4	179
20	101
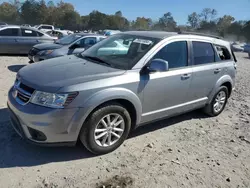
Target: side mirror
158	65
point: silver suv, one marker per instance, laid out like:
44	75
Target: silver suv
100	95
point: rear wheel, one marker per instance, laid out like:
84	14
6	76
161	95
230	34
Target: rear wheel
106	129
218	103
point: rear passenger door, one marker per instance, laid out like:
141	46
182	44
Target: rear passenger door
166	93
28	39
206	71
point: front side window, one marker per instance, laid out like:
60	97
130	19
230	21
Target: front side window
175	53
28	33
9	32
203	53
121	51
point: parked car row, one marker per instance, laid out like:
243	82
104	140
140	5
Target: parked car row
19	39
68	45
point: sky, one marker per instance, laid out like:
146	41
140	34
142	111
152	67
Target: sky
154	9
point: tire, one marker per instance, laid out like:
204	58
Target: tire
249	54
88	133
210	109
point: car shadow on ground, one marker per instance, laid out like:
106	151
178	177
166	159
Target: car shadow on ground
160	124
15	68
15	152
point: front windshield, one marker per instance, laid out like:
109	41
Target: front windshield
68	39
121	51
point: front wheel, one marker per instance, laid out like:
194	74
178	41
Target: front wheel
106	129
218	103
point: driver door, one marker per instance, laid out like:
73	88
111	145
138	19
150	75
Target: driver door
166	93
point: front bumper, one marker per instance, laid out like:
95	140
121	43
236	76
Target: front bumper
42	125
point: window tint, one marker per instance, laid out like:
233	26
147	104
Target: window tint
29	33
46	27
9	32
203	53
223	53
175	53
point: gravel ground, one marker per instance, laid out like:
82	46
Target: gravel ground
190	150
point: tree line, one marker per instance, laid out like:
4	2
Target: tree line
64	15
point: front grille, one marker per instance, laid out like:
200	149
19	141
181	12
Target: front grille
26	88
33	51
22	93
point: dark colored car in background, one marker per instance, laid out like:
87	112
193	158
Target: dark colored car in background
19	39
71	44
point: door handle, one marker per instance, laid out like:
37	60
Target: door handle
216	71
185	76
15	40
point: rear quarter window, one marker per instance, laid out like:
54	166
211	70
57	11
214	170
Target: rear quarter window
223	53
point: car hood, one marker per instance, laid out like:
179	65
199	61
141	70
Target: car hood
53	74
47	46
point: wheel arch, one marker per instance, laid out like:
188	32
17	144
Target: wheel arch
225	80
124	97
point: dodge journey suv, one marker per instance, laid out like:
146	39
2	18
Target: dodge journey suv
99	98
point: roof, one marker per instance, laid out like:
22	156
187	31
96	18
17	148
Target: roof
87	34
154	34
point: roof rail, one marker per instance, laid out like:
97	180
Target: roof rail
199	34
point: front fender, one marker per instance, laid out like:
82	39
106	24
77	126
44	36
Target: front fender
221	81
101	97
113	94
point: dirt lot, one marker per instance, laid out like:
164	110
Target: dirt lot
190	150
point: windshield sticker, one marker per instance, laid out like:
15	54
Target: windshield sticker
142	41
27	31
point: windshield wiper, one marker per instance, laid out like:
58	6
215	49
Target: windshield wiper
97	59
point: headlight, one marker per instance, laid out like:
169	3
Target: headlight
46	52
52	100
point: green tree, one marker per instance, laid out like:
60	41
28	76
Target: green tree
119	13
194	20
208	14
8	13
142	23
167	22
224	23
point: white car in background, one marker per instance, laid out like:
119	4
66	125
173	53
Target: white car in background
45	28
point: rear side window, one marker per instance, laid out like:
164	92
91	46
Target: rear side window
175	53
9	32
223	53
203	53
29	33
